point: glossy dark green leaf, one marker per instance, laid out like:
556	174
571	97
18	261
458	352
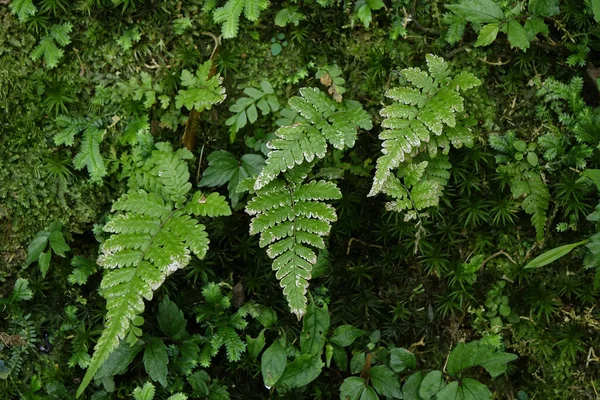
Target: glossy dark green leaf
430	386
544	8
402	359
171	320
477	11
300	372
385	382
410	388
345	335
156	360
255	345
467	389
467	355
355	388
315	323
36	247
58	243
517	36
44	262
273	363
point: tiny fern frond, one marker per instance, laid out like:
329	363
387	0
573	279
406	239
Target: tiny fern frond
292	219
323	121
154	234
229	14
425	117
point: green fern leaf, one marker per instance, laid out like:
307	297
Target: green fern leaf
423	116
202	92
323	121
529	185
22	9
153	235
229	14
89	155
291	220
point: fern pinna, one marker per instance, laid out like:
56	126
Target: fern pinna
154	232
422	121
288	213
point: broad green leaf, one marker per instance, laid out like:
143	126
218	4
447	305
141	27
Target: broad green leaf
432	383
533	26
58	243
517	36
345	335
273	363
300	372
354	388
316	323
36	247
478	11
475	353
467	389
358	363
340	357
375	4
267	317
255	345
44	262
596	10
487	35
364	14
552	255
402	359
156	360
171	320
545	8
385	382
593	174
410	389
532	159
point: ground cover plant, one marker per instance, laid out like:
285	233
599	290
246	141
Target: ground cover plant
320	199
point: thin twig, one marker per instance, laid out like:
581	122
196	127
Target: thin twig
361	242
448	356
499	253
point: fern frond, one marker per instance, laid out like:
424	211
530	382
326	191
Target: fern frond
229	14
153	235
423	117
202	92
323	121
292	220
529	185
89	155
